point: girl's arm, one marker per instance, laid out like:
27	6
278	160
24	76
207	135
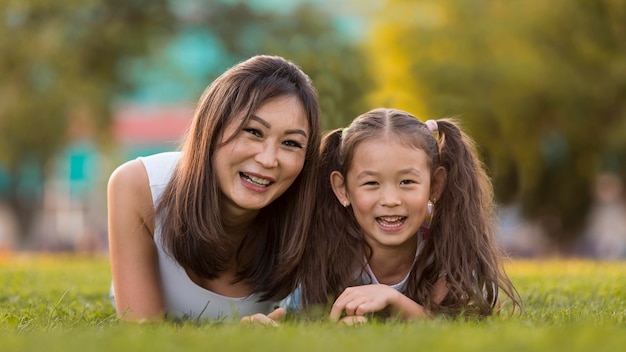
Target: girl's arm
409	309
132	252
361	300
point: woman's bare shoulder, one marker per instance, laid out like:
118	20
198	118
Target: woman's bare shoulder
129	188
130	176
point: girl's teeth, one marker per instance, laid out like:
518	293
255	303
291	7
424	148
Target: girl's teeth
391	219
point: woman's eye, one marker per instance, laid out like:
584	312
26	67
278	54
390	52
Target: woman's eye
293	144
253	131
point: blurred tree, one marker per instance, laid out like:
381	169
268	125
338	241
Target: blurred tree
59	69
540	85
308	37
335	63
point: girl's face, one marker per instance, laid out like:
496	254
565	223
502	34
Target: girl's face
388	186
263	159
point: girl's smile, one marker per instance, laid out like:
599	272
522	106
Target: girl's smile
391	223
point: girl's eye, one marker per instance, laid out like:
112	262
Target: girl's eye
254	132
370	183
406	182
293	144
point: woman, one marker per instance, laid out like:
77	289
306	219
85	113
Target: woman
217	230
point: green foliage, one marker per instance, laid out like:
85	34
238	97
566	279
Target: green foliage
61	304
306	36
336	65
540	85
59	69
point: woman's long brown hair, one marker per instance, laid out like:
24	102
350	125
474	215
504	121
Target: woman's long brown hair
460	243
189	209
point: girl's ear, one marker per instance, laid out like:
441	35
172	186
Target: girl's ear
440	177
339	188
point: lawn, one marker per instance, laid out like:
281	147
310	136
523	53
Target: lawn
60	303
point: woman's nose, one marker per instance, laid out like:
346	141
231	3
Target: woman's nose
267	156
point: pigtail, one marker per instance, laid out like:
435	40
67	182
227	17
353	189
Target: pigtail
463	230
328	263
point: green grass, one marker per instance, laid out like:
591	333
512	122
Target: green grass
60	303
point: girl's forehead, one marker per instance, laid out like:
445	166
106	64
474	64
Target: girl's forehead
394	141
381	153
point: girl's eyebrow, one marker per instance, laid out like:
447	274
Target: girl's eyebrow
268	126
366	173
409	170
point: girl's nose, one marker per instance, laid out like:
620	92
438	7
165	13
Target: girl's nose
390	197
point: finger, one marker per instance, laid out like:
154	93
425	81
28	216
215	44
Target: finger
351	307
365	308
353	320
335	312
340	303
248	319
277	314
262	319
258	319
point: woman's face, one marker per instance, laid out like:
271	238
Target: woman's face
263	159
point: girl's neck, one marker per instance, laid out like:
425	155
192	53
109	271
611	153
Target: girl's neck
391	265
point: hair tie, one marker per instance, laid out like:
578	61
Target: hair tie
343	132
432	125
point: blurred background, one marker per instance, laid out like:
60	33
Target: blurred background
540	85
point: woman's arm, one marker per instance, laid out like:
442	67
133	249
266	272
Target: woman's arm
132	252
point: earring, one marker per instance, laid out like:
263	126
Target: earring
345	204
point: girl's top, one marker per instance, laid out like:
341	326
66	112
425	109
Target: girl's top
182	298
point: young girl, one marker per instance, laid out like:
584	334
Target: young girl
217	230
378	249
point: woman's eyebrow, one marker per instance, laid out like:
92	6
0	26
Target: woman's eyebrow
261	121
269	126
297	131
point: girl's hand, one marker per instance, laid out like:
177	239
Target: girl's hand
262	319
361	300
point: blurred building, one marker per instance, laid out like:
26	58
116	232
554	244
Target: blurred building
519	237
74	213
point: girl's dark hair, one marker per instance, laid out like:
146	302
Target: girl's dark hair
189	209
461	240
